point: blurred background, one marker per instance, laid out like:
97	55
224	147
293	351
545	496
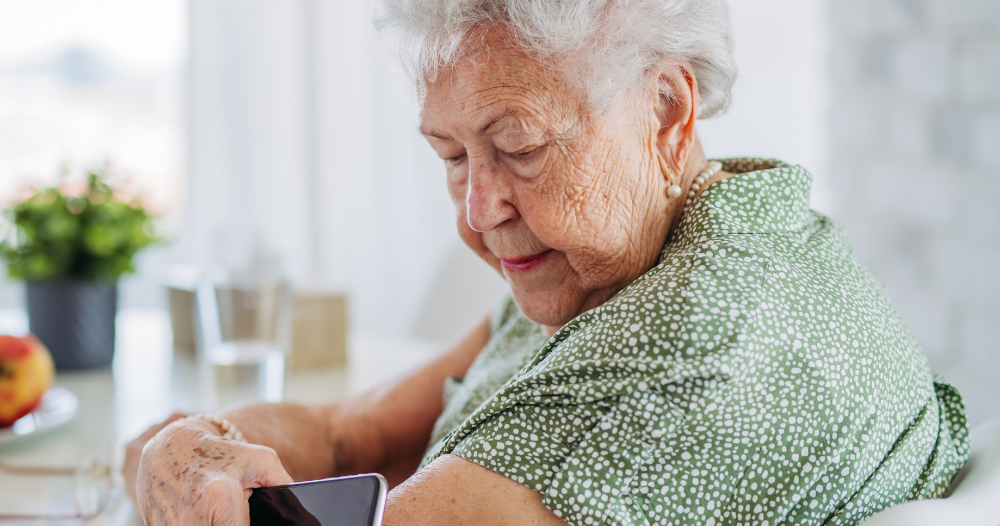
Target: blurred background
282	134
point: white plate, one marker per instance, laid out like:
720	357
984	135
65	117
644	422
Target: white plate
58	407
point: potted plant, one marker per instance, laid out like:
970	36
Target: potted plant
70	244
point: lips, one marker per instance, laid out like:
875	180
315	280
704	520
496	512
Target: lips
525	263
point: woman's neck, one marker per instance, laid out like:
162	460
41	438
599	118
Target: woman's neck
696	163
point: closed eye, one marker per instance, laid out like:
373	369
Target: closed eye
526	154
522	155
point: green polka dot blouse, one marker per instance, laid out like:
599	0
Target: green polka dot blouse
757	374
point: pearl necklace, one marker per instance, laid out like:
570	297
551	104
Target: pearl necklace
705	175
228	429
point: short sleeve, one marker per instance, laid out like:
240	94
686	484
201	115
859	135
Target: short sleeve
582	458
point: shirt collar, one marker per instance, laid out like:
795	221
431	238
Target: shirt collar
766	196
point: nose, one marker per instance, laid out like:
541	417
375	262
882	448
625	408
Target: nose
487	200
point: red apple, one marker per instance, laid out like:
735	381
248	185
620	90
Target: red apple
26	372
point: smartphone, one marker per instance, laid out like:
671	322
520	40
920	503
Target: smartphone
358	500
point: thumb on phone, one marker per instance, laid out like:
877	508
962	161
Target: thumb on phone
263	469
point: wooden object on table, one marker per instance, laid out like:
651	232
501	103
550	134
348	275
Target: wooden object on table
319	327
319	330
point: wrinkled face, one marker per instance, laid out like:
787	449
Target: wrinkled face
567	205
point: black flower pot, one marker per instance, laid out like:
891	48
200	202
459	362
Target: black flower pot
75	320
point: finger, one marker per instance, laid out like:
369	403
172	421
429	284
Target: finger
243	516
264	469
155	428
130	471
133	453
149	433
225	504
174	417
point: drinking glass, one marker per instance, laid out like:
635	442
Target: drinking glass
244	333
57	493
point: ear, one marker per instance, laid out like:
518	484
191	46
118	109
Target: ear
677	111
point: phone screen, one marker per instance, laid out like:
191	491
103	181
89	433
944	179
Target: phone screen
344	501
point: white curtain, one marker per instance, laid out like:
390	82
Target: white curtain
304	149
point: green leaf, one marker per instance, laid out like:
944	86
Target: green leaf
95	236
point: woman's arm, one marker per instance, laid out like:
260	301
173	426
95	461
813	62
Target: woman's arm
188	474
452	491
384	430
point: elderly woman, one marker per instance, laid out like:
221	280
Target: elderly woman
686	343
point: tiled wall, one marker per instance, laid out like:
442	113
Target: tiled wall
915	163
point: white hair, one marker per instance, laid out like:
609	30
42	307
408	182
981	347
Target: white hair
605	46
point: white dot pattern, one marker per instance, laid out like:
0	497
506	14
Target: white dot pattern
757	374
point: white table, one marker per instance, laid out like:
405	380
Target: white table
148	381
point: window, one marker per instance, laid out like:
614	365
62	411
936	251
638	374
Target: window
89	82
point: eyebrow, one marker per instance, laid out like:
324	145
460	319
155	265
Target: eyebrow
481	131
431	133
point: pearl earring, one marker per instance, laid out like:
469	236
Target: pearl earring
673	191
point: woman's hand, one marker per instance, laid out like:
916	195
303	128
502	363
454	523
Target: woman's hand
189	474
185	473
133	453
